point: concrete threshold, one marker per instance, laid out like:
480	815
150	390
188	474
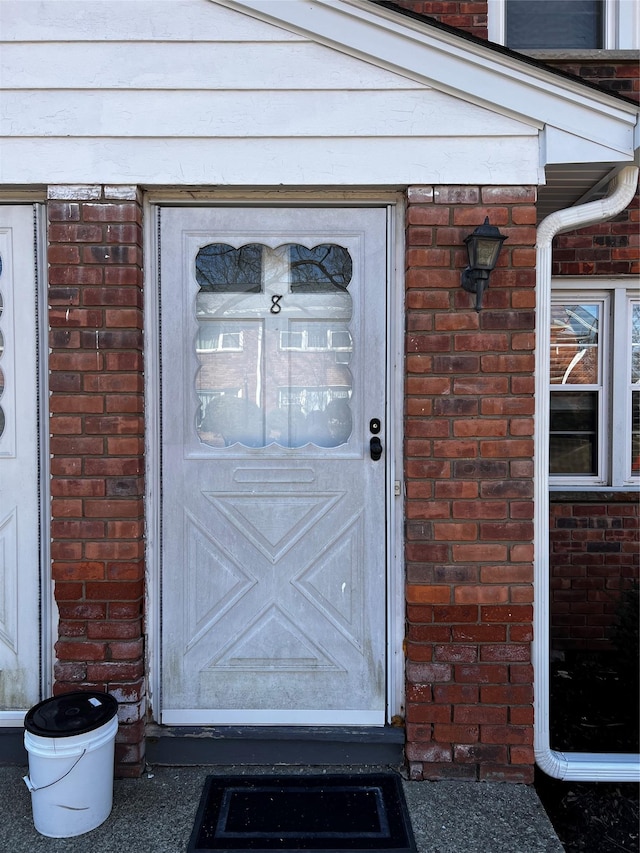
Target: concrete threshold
266	745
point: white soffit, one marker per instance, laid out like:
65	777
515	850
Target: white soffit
584	125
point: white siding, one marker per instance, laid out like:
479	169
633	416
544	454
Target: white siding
129	21
184	92
200	66
242	114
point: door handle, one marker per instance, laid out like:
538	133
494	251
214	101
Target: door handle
375	448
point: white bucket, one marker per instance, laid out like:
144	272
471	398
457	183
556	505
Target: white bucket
71	775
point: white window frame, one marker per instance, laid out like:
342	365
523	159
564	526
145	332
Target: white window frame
287	341
621	24
286	338
614	414
221	342
300	395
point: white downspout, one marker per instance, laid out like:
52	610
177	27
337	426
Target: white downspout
597	767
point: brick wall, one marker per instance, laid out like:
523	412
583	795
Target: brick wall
609	248
97	445
620	76
469	469
464	14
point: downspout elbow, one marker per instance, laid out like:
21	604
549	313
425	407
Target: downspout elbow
622	189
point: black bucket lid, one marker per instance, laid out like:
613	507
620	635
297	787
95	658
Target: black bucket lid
70	714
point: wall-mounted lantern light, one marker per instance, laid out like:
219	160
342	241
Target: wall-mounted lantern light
483	247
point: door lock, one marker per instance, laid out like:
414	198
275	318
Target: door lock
375	448
375	445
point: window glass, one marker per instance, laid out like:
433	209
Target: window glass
573	433
574	344
554	24
635	381
574	363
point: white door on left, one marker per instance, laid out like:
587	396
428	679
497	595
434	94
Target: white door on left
19	504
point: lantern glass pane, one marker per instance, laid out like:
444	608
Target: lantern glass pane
487	253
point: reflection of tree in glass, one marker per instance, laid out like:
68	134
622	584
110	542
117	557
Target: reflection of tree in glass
339	422
574	344
582	322
324	268
235	419
222	269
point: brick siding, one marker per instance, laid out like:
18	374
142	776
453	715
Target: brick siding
97	446
463	14
607	249
469	509
620	76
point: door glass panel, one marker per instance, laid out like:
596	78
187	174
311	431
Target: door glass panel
273	345
222	269
321	269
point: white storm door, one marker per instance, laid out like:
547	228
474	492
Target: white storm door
19	515
273	326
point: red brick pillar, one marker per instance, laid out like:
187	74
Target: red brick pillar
469	470
97	449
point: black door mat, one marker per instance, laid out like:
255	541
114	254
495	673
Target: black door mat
327	814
